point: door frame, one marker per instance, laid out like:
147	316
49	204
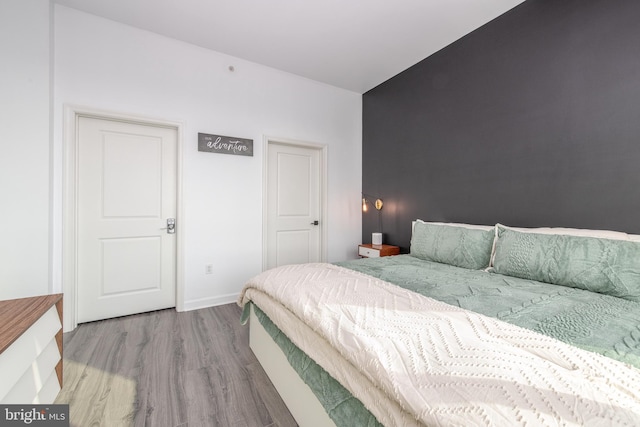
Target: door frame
324	229
72	114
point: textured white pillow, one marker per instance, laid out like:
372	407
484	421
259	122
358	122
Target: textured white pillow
603	234
455	224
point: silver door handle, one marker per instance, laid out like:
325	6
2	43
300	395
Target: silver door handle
171	226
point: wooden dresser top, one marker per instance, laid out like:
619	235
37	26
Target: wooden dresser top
17	315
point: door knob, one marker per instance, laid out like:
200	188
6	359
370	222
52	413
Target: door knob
316	222
171	226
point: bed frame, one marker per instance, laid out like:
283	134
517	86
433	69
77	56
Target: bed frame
302	403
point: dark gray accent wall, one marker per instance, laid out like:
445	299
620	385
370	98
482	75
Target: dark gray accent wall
531	120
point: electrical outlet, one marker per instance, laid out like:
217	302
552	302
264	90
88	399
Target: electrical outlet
208	269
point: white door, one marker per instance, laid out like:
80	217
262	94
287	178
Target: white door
293	205
126	193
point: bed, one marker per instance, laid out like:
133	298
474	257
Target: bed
476	326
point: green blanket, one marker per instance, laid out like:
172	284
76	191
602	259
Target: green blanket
344	409
595	322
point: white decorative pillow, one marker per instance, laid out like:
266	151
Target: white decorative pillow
455	224
583	232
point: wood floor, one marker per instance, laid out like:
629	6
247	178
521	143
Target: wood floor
168	369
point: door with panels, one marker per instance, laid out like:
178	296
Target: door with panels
294	204
126	246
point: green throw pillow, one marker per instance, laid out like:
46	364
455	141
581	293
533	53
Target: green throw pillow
448	244
610	267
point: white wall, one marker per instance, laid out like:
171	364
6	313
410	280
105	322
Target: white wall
24	147
106	65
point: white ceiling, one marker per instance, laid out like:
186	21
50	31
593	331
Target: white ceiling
351	44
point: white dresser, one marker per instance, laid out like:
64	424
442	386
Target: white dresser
31	349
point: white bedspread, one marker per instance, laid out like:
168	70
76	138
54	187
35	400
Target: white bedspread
412	360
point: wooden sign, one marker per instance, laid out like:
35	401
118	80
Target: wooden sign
225	144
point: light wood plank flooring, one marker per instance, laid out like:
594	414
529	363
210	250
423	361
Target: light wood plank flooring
168	369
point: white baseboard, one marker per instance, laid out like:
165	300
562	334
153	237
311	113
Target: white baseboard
199	303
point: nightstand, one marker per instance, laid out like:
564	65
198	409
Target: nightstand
376	251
